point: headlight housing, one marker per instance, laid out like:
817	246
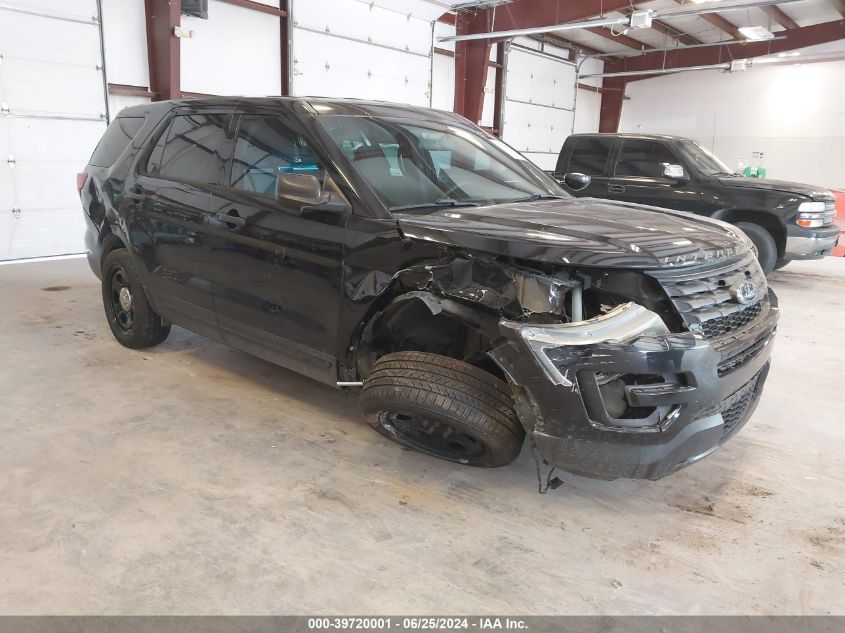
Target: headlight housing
816	214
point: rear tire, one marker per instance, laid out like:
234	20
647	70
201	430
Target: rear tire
767	250
131	318
442	407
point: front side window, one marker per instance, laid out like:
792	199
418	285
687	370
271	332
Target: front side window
424	163
265	148
589	155
644	159
192	149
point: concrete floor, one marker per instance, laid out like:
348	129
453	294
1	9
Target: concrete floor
192	478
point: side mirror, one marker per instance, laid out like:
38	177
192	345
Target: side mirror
302	188
576	181
676	172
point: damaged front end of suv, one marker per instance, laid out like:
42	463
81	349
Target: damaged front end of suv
621	340
614	373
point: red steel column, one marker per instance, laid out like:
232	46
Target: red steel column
471	59
612	96
163	50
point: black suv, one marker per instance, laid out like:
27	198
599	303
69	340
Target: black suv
785	220
409	254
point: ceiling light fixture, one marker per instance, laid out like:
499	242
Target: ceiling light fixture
756	33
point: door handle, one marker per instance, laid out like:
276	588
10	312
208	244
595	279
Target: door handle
134	196
231	217
616	188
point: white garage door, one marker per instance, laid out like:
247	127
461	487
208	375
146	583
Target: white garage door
52	113
539	103
369	50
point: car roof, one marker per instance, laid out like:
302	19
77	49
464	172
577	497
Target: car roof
320	106
636	135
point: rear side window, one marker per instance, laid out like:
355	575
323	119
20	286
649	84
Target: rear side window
644	159
193	149
117	137
589	155
265	148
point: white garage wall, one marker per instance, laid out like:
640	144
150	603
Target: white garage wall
236	51
588	106
539	101
53	104
443	72
350	48
125	39
794	114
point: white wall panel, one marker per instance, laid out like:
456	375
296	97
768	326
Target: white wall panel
119	102
588	105
347	48
125	36
539	101
53	89
489	98
794	114
236	51
443	85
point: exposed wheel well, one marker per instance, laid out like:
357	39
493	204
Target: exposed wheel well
421	322
769	222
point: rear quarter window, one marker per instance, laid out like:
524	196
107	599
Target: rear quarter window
117	137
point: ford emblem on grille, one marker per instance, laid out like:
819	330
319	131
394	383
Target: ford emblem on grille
745	292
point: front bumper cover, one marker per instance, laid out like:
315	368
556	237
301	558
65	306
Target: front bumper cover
814	245
709	391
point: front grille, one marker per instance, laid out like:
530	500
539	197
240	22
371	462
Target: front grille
704	296
734	408
720	326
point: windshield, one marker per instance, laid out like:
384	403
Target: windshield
420	164
704	160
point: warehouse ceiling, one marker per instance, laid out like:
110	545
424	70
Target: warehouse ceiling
667	32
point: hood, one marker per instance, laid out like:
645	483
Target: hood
580	231
815	193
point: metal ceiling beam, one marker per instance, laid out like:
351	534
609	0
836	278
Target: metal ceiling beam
691	57
777	14
553	39
702	45
703	9
621	38
676	34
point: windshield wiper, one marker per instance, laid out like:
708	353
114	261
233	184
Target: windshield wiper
536	196
445	202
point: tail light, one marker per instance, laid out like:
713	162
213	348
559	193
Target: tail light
81	179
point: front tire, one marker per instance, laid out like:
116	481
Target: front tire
131	318
767	250
442	407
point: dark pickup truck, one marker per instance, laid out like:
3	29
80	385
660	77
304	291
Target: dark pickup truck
785	220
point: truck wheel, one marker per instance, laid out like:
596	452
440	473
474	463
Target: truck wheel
130	315
767	250
443	407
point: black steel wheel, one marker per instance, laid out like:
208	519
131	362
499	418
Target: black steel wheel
443	407
131	318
